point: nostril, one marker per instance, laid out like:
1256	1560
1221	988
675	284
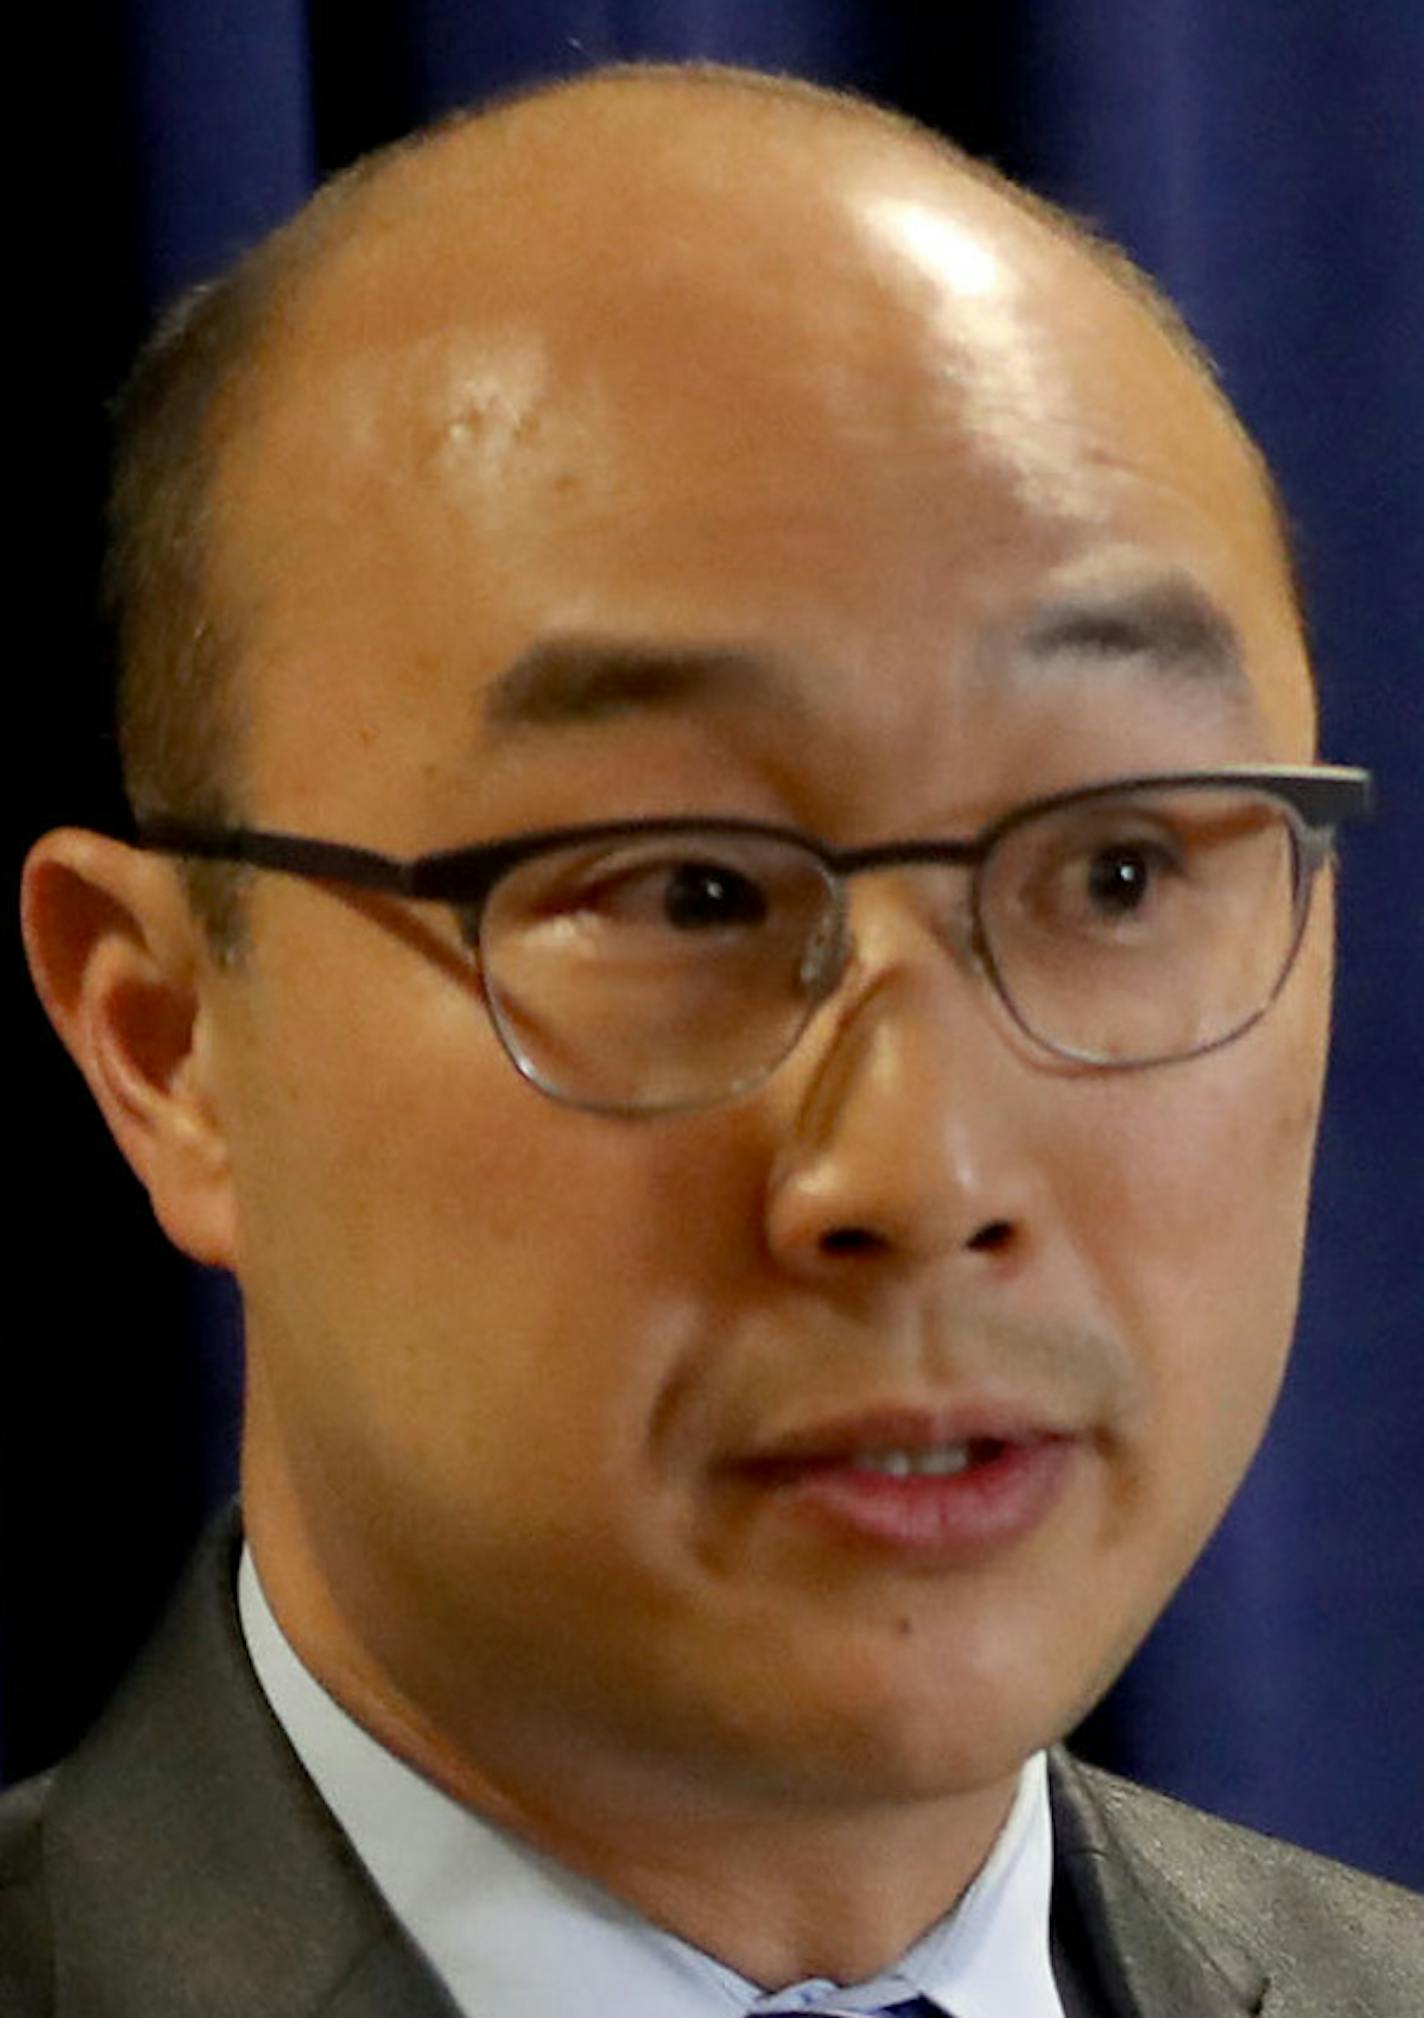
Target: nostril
991	1238
852	1240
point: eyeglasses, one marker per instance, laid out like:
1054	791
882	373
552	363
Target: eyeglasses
648	966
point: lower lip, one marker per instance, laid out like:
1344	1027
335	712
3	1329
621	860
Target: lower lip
995	1501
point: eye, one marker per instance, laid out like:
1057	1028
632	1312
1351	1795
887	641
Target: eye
1096	880
1118	879
701	896
643	890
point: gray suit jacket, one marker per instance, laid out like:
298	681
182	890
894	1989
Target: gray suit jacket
181	1865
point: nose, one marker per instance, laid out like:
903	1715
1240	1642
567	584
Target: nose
908	1135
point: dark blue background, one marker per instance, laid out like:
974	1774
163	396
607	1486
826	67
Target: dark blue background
1267	162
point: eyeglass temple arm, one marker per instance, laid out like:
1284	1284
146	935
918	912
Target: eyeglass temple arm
290	854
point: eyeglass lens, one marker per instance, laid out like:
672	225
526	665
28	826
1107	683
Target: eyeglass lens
1134	929
651	973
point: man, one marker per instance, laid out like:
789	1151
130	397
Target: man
758	1289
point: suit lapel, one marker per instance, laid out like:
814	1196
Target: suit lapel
193	1870
1141	1949
390	1981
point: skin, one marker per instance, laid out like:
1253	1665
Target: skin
799	389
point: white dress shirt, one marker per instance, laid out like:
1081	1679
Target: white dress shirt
510	1931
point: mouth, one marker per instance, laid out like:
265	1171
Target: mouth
917	1486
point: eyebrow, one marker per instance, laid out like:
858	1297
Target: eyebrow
1172	623
571	681
574	681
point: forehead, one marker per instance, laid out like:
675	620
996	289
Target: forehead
817	406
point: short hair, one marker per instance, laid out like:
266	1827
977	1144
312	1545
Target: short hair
179	710
179	713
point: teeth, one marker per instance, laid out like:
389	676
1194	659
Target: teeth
941	1462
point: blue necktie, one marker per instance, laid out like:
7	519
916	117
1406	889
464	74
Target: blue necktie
905	2007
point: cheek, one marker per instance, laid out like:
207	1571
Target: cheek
1192	1197
437	1258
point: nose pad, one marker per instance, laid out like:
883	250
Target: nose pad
826	956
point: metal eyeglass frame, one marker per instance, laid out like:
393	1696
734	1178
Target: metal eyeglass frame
1317	799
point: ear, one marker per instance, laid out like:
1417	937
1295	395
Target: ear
120	965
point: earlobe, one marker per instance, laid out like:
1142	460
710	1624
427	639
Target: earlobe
118	961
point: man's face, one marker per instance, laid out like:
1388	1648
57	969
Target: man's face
556	1416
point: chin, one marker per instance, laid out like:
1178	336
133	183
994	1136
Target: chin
907	1742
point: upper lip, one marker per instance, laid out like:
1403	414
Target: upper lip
905	1428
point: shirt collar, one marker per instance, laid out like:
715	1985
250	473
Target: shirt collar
507	1928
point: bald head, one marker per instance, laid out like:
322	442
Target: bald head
739	246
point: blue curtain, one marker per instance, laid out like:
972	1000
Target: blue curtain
1266	161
